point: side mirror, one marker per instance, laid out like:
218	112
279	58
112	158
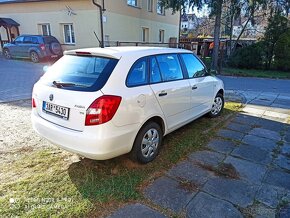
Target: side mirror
213	72
45	68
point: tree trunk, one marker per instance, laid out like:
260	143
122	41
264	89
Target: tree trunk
231	33
217	29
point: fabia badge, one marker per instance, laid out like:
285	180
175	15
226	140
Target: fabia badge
51	97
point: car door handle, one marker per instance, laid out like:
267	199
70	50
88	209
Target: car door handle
194	87
162	94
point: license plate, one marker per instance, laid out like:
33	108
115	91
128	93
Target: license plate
56	110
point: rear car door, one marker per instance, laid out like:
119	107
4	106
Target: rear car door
27	45
202	84
16	46
171	88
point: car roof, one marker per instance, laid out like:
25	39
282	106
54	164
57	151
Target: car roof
34	35
118	52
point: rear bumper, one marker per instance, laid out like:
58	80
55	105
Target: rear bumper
101	142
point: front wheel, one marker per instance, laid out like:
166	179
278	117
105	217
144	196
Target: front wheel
7	54
147	143
34	57
217	106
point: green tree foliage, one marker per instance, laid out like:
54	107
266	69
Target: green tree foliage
282	52
250	57
277	25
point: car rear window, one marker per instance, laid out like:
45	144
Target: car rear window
79	73
49	39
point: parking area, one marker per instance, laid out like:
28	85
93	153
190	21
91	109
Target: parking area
17	78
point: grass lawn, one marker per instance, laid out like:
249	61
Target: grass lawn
256	73
51	182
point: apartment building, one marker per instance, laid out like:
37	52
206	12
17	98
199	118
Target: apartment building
76	23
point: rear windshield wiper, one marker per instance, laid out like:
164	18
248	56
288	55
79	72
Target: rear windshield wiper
62	84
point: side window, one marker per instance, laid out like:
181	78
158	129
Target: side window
34	40
155	76
28	40
194	67
170	67
19	39
138	74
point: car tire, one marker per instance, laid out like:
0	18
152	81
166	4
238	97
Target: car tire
217	106
34	57
147	143
7	54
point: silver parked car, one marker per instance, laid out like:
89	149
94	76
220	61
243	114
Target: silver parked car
34	47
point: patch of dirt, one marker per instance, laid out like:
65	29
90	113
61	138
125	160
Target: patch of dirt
226	170
188	186
129	164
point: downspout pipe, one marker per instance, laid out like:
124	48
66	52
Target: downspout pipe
101	20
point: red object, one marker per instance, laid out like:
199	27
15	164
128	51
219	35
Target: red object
83	53
42	46
33	103
102	110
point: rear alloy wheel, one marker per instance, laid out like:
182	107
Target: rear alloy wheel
7	54
34	57
217	106
147	143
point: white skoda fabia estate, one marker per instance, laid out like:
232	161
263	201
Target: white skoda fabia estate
104	102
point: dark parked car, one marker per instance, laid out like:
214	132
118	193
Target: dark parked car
35	47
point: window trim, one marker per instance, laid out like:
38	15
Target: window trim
48	29
131	68
70	29
144	39
150	9
162	37
185	69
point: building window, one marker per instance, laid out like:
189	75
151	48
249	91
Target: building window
45	29
160	8
132	3
161	36
69	35
150	5
145	34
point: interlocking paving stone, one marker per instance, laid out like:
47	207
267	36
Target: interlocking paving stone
168	193
287	137
230	134
284	212
239	127
136	210
204	205
207	157
278	178
283	162
237	192
247	170
260	211
187	171
252	153
265	133
263	143
261	102
270	124
270	195
246	119
253	111
222	146
286	149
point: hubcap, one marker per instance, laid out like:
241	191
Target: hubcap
7	55
150	143
34	57
217	105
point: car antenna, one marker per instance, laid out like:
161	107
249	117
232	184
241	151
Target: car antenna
100	43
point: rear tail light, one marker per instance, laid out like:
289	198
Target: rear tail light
33	103
102	110
42	47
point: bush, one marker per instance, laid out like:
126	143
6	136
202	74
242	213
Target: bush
250	57
282	52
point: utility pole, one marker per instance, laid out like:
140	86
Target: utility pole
101	9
